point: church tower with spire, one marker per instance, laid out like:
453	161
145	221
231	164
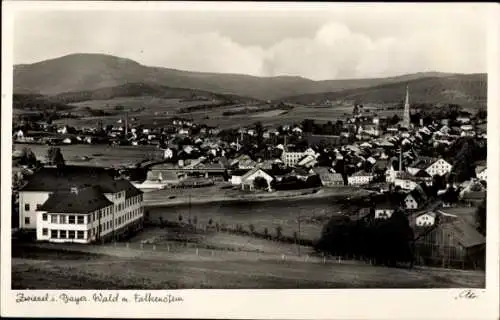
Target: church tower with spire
406	112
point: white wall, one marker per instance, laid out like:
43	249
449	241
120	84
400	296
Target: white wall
32	198
236	180
405	184
425	220
381	212
120	214
62	225
359	180
439	167
261	174
411	203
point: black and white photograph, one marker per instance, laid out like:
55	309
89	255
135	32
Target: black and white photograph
279	147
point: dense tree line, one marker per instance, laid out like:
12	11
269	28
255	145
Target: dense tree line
463	166
383	242
328	128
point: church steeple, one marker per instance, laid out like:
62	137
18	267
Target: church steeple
406	112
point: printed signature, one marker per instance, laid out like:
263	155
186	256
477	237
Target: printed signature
467	294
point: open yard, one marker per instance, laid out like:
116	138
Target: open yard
161	270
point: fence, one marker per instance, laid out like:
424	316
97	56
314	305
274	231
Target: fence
191	251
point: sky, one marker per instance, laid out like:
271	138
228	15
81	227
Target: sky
324	42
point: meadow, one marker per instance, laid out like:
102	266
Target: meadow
157	112
97	155
96	267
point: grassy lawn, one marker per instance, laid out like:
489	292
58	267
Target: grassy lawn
165	271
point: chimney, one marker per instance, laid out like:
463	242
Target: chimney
400	159
74	190
126	124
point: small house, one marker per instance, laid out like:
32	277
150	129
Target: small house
247	180
427	219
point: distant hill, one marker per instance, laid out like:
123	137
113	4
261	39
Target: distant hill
89	72
467	90
37	102
142	90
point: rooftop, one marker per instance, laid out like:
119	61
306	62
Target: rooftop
81	201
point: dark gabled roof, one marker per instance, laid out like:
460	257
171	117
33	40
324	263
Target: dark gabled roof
52	179
61	180
239	172
299	171
130	190
474	195
422	174
465	234
423	162
84	201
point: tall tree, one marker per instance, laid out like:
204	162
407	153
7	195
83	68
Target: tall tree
481	218
55	157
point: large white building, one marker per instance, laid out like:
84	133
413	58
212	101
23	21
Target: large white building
292	158
360	178
79	204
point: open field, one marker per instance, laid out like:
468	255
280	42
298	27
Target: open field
160	270
199	238
313	211
157	111
99	155
225	192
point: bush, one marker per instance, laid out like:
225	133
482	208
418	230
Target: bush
279	232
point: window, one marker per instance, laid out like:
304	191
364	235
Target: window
45	231
80	235
38	207
53	234
80	219
71	234
71	219
26	220
44	217
26	207
62	219
63	234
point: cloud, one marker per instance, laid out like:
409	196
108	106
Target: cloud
383	43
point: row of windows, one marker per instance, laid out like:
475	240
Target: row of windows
64	234
128	202
64	219
118	221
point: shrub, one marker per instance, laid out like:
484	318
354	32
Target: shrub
279	232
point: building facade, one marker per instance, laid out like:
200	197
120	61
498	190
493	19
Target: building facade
72	207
